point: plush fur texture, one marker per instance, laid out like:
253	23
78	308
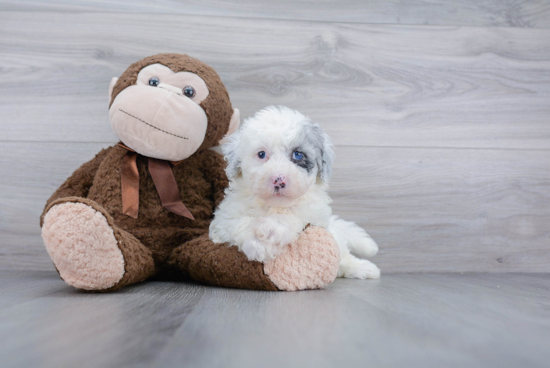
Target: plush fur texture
217	106
201	182
279	164
138	262
218	264
88	259
97	184
94	246
311	262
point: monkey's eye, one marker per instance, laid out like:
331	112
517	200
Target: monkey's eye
189	91
154	81
297	155
261	155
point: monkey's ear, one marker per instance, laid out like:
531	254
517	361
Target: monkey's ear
233	125
111	86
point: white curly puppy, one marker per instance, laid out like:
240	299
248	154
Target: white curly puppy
279	165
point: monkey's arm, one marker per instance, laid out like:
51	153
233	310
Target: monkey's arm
309	263
79	183
213	168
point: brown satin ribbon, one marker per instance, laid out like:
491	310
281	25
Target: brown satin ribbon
130	185
166	185
164	180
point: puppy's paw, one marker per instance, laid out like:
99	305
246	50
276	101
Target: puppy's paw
353	268
254	250
364	247
264	229
270	231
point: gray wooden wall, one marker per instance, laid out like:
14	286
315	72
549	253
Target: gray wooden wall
440	111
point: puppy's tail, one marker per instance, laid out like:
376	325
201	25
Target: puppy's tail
350	235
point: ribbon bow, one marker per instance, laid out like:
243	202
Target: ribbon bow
164	180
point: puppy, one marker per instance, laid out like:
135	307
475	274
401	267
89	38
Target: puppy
279	164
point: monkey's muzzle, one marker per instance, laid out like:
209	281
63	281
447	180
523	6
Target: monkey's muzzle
158	123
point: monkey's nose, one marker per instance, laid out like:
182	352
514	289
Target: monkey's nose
170	88
279	181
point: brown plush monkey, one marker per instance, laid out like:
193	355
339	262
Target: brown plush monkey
142	208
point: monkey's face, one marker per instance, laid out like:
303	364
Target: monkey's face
160	116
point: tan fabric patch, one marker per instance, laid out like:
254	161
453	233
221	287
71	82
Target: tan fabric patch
178	80
157	123
310	263
82	246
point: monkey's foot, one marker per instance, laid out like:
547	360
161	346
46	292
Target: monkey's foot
82	246
311	262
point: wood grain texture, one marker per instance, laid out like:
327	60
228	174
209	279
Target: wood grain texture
448	210
368	85
72	328
30	173
413	320
442	133
486	13
21	287
430	210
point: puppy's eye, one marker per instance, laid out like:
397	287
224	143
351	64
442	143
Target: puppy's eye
189	91
261	155
297	155
154	81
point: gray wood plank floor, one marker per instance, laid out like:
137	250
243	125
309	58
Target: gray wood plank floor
412	320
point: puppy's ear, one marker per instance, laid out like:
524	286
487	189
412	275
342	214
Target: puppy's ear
327	158
230	149
315	137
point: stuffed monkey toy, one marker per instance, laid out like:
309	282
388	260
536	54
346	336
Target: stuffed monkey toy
142	208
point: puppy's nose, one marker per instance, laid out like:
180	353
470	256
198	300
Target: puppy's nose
279	181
